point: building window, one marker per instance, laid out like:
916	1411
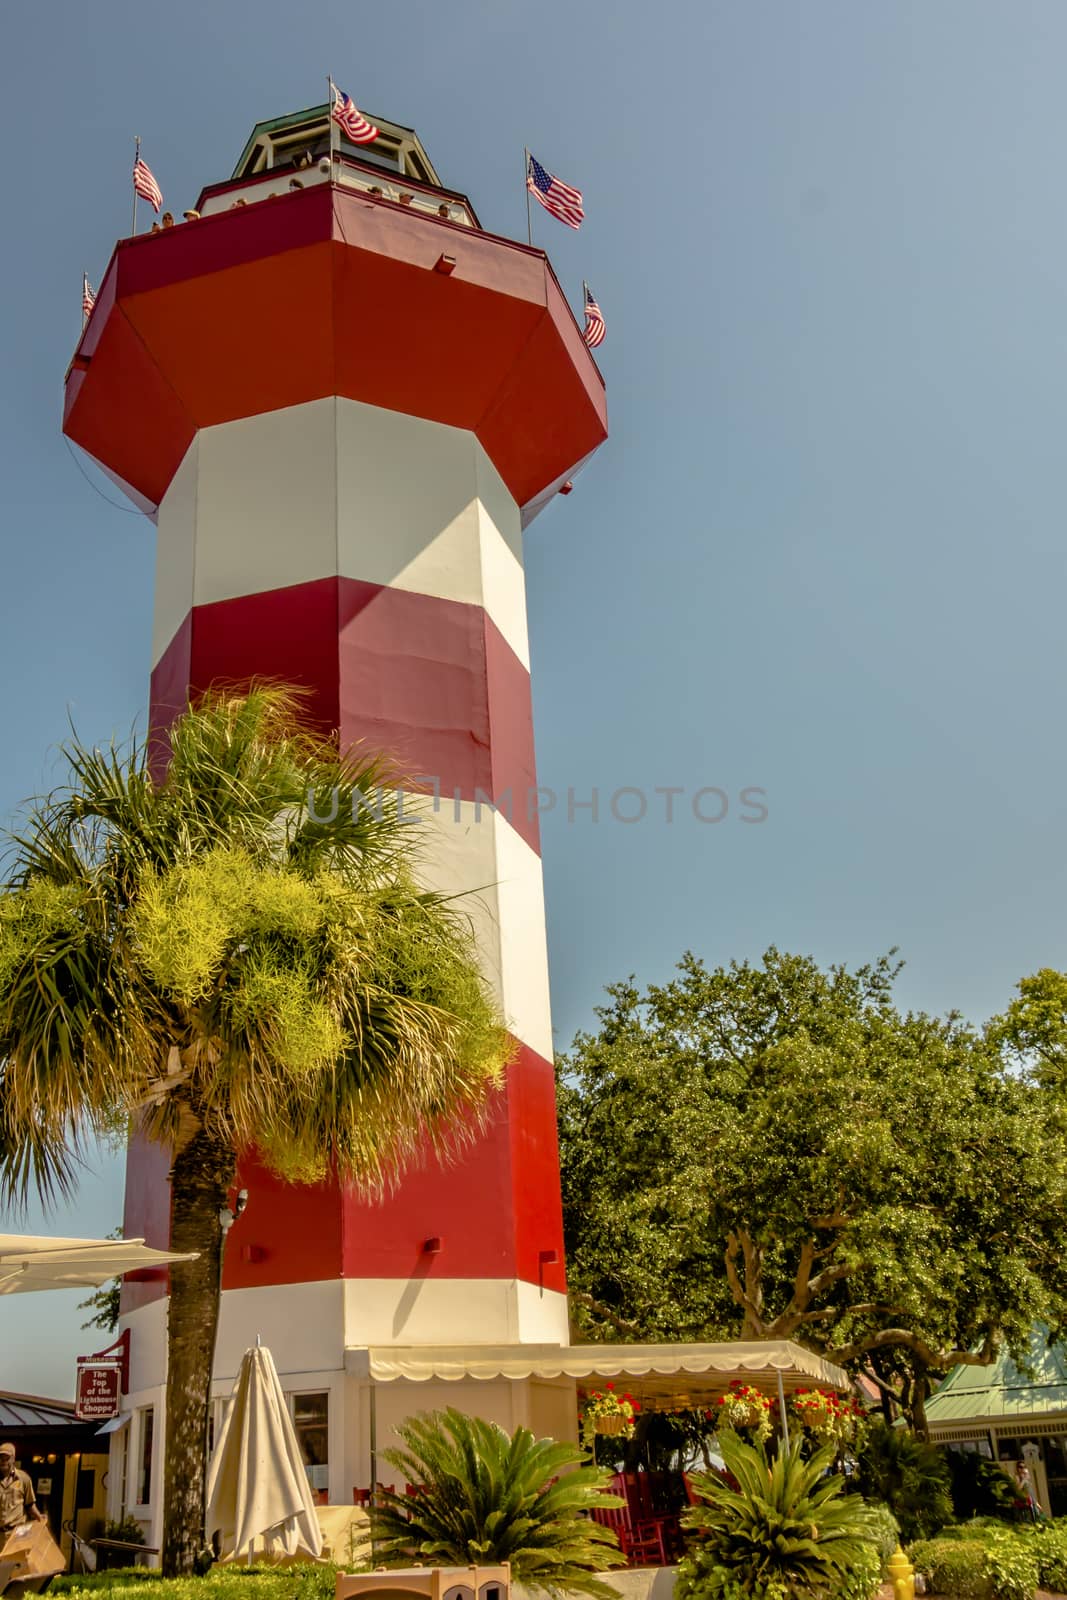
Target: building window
124	1466
311	1419
145	1435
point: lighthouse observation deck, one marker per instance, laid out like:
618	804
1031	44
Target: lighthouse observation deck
323	269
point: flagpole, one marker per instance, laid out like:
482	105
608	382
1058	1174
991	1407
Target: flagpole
330	121
526	186
85	285
136	158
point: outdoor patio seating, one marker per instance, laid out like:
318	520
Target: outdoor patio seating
641	1543
653	1517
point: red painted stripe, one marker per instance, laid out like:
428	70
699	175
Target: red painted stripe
146	1214
430	683
277	304
496	1208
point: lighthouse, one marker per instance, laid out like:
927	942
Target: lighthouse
341	400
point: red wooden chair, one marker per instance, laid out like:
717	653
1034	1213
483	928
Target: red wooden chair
658	1535
640	1547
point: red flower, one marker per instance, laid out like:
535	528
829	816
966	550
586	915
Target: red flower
609	1386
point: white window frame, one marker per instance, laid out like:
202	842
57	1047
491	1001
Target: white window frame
137	1504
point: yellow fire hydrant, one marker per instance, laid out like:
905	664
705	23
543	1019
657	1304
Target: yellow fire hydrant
901	1575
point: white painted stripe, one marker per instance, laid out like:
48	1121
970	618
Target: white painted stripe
472	851
308	1326
452	1311
336	487
175	550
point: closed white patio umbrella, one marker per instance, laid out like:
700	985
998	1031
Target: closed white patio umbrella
33	1261
257	1489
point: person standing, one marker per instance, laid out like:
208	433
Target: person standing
18	1503
1024	1488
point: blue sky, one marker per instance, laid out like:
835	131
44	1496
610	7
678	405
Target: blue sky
822	552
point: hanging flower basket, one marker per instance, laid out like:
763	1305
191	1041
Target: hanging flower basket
605	1412
745	1408
831	1418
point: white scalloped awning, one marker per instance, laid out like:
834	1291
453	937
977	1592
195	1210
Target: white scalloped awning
654	1372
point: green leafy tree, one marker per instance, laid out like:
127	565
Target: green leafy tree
105	1305
777	1151
1034	1029
787	1529
487	1497
106	1302
188	942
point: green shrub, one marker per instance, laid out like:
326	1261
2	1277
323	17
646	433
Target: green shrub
864	1577
953	1567
1049	1544
885	1532
786	1529
701	1578
129	1530
310	1581
909	1476
488	1496
1012	1565
990	1563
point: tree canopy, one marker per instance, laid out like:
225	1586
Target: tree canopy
229	945
778	1151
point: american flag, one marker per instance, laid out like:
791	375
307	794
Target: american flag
350	119
88	297
594	330
557	197
146	186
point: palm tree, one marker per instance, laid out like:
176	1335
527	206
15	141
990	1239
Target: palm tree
787	1527
485	1497
224	940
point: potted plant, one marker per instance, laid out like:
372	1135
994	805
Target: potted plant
604	1411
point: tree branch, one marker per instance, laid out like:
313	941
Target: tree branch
753	1322
601	1310
830	1275
839	1217
905	1339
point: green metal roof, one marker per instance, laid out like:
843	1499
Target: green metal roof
1002	1389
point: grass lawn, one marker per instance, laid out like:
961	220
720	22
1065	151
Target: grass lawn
308	1582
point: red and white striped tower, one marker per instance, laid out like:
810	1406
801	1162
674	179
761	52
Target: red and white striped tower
341	400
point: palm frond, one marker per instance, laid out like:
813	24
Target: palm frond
488	1497
325	1007
786	1525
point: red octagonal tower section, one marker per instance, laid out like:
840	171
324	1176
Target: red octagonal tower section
341	400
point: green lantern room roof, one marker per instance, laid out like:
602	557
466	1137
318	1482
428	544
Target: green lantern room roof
1003	1390
283	140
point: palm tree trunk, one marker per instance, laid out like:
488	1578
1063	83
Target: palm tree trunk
201	1176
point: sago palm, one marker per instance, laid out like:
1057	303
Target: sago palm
225	941
486	1496
786	1527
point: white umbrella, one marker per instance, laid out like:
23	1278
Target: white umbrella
256	1484
29	1261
